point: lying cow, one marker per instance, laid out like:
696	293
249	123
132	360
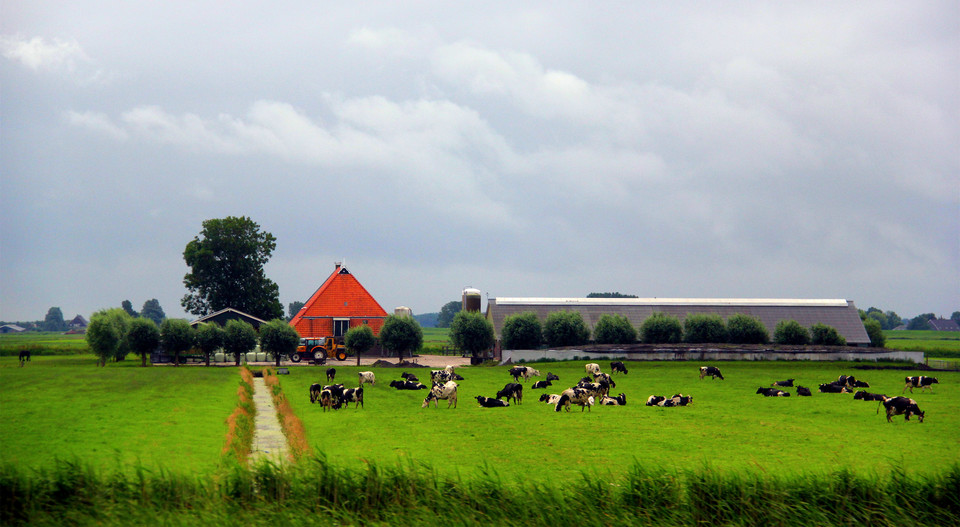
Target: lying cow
712	371
409	377
549	398
541	384
574	395
513	391
919	382
783	384
407	385
682	400
833	387
902	405
851	382
552	377
803	391
772	392
620	400
655	400
618	367
866	396
446	391
489	402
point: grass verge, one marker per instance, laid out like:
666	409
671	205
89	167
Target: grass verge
241	422
291	425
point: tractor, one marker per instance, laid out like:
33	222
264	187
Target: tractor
319	349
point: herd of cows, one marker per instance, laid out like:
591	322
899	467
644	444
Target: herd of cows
594	389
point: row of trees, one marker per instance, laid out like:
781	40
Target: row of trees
890	319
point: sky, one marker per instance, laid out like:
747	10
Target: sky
788	149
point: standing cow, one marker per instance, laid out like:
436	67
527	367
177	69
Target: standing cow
902	405
712	371
919	382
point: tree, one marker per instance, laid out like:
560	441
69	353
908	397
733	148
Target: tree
128	307
359	339
824	335
143	338
293	309
102	338
176	335
209	337
565	328
875	331
522	331
447	312
702	328
152	310
239	337
471	331
893	319
610	295
278	337
401	334
226	269
54	320
790	332
661	328
744	329
955	316
921	322
121	321
614	329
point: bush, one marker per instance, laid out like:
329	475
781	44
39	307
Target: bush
522	331
614	329
744	329
661	328
704	328
824	335
470	331
875	331
565	328
791	332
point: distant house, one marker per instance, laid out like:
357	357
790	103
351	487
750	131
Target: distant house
339	304
11	328
224	315
943	324
78	323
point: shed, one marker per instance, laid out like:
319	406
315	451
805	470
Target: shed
224	315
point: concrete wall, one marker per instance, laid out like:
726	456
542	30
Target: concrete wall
707	354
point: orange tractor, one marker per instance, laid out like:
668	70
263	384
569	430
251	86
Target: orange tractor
319	349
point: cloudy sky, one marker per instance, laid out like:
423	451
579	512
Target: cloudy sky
663	149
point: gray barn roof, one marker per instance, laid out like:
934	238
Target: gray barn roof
840	314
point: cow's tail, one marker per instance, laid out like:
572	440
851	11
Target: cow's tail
564	399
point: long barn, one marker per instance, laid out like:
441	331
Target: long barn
840	314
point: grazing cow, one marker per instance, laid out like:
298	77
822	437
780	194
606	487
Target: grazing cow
353	395
803	391
834	388
592	368
617	366
772	392
24	357
784	384
552	377
489	402
409	377
517	372
867	396
407	385
919	382
446	391
315	390
540	384
596	389
513	391
326	400
654	400
575	395
549	398
620	400
604	377
331	373
712	371
902	405
367	376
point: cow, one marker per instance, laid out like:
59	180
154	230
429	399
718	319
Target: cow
772	392
530	373
783	384
596	389
618	367
604	377
409	377
440	376
315	390
592	368
919	382
902	405
456	377
549	398
337	391
803	391
682	400
331	373
24	357
489	402
860	384
446	391
867	396
552	377
712	371
407	385
367	376
353	395
620	400
575	395
326	400
517	372
513	391
833	387
541	384
654	400
851	382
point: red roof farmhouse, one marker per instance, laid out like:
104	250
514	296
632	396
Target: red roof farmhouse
338	305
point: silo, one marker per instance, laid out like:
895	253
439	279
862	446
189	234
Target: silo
403	311
471	300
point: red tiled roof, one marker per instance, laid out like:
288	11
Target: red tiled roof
341	295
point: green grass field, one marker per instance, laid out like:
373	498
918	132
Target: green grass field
936	344
42	343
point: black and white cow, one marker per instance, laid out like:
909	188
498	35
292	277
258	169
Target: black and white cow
596	389
513	391
328	401
783	384
441	376
849	381
575	395
552	377
618	367
24	357
549	398
712	371
516	372
833	387
331	373
654	400
592	368
407	385
541	384
682	400
772	392
860	384
620	400
315	390
902	405
604	377
353	395
489	402
409	377
919	382
446	391
867	396
803	391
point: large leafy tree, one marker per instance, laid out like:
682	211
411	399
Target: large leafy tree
471	331
128	307
54	320
279	338
401	334
209	337
226	269
102	337
176	335
121	321
447	312
143	338
239	337
152	310
522	331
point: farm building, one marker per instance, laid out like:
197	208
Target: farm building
840	314
943	324
224	315
338	305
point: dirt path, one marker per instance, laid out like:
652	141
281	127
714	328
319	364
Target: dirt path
268	439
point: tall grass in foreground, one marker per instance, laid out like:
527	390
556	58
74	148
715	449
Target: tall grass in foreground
315	492
240	423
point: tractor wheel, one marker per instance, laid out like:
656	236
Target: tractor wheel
341	356
320	355
295	357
